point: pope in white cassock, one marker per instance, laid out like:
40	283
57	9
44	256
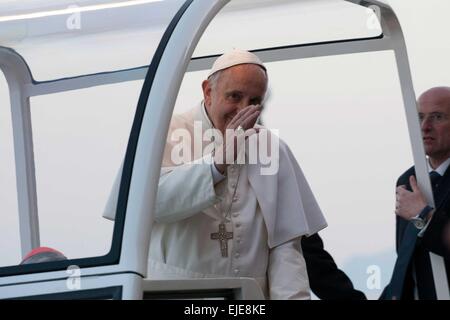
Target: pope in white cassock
220	218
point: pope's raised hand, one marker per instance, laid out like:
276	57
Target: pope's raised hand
241	124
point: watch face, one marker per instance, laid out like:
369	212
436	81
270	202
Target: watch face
418	223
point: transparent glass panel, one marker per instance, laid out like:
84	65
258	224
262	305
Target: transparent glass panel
343	118
258	24
80	139
9	214
60	39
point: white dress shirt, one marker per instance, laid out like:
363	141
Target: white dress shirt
441	169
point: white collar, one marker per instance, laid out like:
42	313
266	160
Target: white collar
441	169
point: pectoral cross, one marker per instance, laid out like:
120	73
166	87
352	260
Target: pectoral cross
223	236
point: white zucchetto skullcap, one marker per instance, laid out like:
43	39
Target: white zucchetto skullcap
234	58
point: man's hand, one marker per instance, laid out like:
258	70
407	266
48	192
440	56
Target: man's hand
246	119
409	204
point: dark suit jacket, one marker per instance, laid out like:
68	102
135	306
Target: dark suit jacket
433	240
325	279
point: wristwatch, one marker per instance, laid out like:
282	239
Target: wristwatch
419	220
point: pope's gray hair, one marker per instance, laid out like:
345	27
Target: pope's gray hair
214	78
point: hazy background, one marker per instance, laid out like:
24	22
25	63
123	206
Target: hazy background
342	117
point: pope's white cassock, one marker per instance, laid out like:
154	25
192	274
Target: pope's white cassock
267	217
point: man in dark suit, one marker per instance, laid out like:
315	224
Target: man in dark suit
327	282
420	228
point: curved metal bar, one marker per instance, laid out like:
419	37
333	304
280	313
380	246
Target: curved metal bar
18	76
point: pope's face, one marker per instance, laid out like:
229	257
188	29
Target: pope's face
434	112
236	88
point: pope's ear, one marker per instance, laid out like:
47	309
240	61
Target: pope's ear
206	87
